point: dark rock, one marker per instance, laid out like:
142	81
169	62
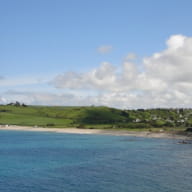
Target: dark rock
185	142
189	129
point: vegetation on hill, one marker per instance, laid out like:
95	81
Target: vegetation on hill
93	117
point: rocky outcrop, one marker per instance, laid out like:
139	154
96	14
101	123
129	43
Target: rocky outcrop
189	129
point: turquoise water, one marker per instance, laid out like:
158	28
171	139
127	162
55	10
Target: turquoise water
53	162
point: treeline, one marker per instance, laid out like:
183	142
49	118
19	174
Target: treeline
17	104
140	118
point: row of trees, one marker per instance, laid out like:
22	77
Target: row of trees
139	118
17	104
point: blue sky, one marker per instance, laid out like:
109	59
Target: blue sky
42	39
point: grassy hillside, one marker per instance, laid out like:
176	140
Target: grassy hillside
58	116
94	117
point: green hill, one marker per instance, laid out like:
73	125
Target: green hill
93	117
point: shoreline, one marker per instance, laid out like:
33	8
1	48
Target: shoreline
145	134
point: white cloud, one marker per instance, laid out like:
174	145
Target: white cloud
176	41
100	78
19	81
114	99
31	97
3	100
45	98
173	65
104	49
165	81
130	56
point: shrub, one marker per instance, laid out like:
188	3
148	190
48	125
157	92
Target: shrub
50	124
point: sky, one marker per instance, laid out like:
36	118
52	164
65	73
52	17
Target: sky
117	53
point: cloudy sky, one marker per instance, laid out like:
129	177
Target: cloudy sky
118	53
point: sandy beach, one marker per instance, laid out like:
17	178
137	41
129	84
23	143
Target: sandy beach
99	131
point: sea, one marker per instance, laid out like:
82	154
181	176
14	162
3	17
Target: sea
58	162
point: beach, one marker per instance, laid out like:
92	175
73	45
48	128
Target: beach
98	131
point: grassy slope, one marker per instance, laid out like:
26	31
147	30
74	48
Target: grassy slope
85	117
54	116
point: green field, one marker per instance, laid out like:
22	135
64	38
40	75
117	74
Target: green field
57	116
95	117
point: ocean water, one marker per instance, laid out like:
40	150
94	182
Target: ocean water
55	162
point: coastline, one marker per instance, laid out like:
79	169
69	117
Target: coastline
146	134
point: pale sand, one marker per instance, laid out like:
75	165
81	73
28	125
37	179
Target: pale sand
98	131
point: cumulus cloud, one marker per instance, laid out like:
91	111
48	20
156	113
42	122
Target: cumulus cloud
104	49
100	78
173	66
164	81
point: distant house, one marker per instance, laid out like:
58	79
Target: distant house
137	120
